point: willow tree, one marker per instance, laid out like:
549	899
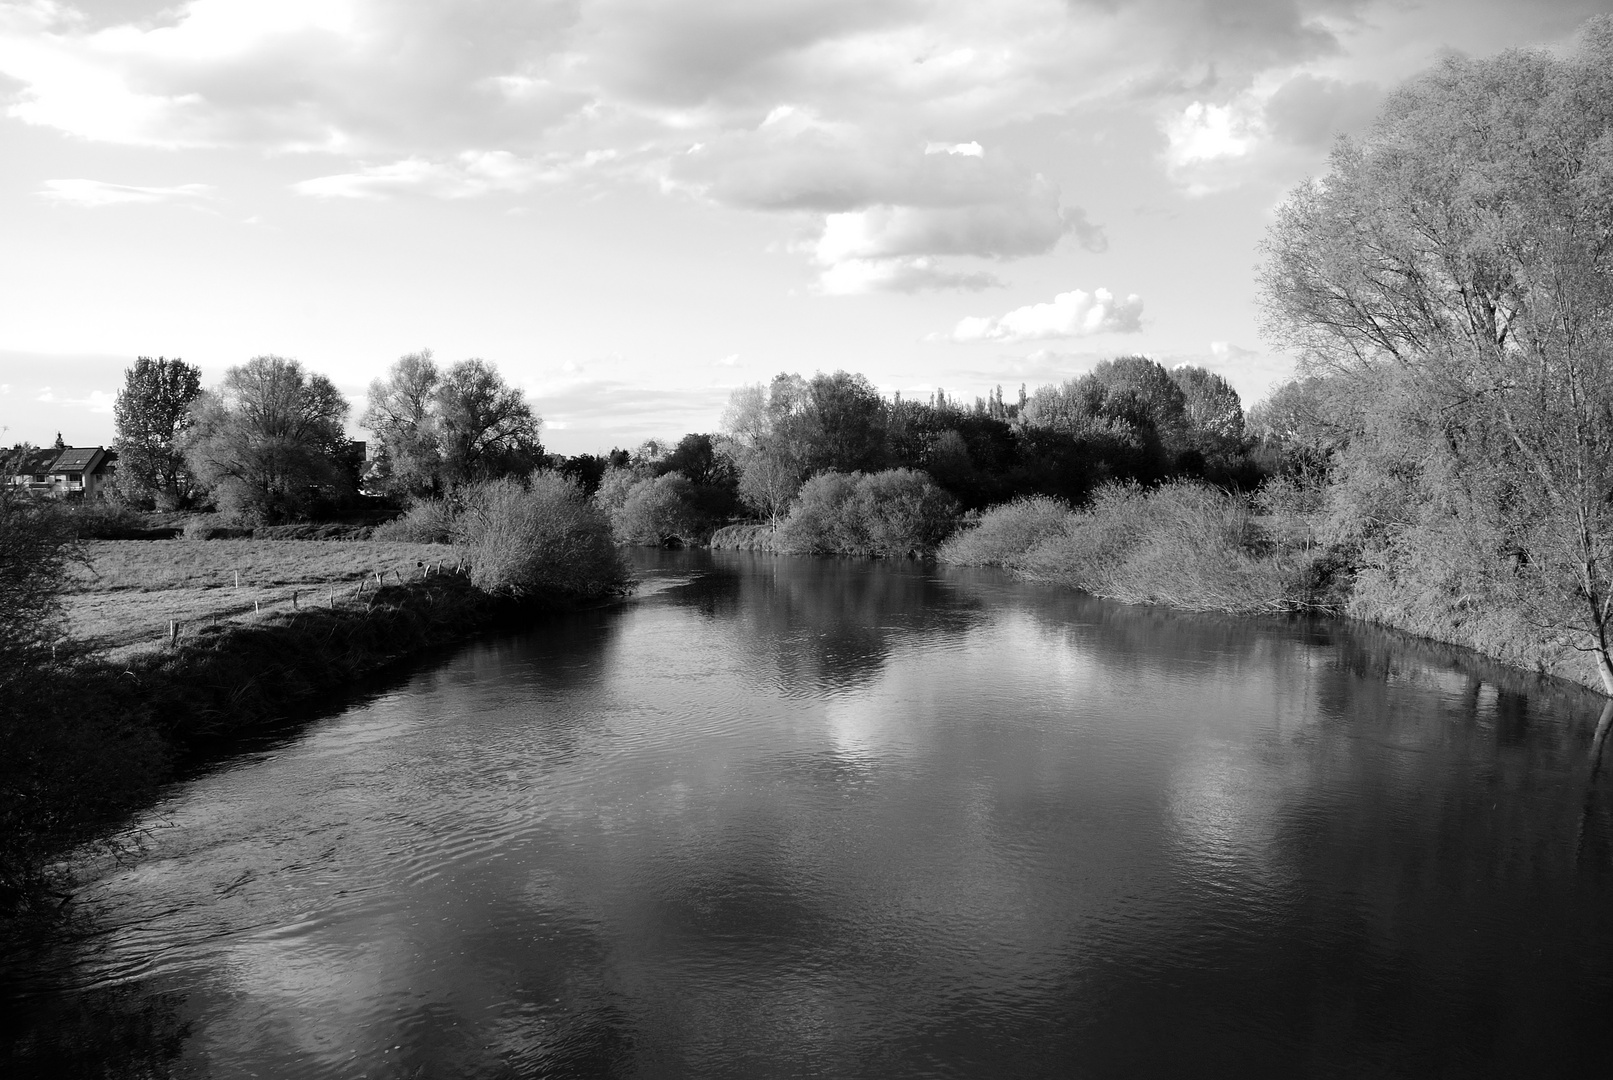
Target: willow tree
268	441
1460	256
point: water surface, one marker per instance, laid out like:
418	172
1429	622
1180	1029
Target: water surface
783	817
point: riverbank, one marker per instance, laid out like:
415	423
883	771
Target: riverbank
114	720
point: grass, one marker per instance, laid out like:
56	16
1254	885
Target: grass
121	599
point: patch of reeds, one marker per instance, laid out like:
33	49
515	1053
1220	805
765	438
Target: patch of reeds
1186	545
746	536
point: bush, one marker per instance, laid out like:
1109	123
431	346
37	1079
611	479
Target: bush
215	527
1005	533
110	519
660	512
1181	544
428	521
542	537
897	512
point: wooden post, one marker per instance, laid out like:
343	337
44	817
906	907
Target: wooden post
294	599
173	631
257	607
333	599
238	579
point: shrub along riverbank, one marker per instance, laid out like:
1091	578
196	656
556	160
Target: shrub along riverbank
91	733
1186	545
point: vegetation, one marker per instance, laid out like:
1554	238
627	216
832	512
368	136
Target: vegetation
268	443
1449	287
895	513
152	413
440	429
540	537
1184	544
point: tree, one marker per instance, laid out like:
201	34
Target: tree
401	416
842	424
485	428
441	429
1212	408
767	432
269	441
1461	256
152	412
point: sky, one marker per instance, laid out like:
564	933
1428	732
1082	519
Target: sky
632	207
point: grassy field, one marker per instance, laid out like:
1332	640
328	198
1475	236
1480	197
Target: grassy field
123	597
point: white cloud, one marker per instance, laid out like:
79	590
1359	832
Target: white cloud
1072	314
731	360
911	274
93	193
469	175
1226	350
97	401
968	149
1206	145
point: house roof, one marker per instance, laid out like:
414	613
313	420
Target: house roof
75	459
37	462
72	459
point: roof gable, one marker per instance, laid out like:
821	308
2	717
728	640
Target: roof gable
76	459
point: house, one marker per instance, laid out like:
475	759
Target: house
72	472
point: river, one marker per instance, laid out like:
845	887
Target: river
792	817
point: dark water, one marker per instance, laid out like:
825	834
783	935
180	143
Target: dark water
785	818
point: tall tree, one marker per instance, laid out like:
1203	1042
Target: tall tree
401	416
438	429
1461	255
844	424
152	412
484	426
269	440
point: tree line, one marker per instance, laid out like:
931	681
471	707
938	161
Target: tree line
269	443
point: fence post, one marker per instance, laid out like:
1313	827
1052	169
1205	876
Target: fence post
238	579
294	599
257	607
173	631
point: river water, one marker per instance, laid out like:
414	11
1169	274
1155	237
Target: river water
791	817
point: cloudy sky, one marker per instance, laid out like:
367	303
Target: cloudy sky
633	206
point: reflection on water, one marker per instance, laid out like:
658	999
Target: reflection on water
786	817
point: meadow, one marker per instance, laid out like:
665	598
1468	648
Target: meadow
122	596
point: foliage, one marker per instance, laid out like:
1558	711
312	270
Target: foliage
441	428
1454	271
485	428
537	537
1183	544
660	511
1005	533
269	441
428	521
35	546
152	412
400	416
894	513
